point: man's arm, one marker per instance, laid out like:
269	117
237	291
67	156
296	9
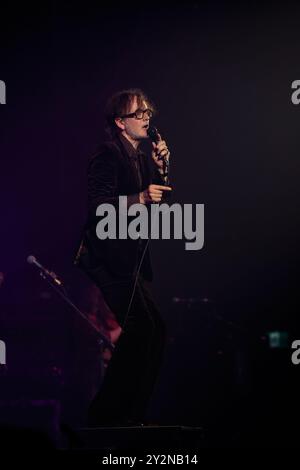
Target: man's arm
102	180
103	184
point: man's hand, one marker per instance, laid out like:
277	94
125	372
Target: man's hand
153	193
160	152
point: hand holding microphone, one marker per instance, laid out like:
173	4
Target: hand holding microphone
160	153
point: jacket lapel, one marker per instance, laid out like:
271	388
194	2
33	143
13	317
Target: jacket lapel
131	167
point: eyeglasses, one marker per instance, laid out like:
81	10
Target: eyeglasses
139	114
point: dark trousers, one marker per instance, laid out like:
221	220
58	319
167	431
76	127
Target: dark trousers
134	366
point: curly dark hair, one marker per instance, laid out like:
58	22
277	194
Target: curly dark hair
119	104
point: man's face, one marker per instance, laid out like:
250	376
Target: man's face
133	128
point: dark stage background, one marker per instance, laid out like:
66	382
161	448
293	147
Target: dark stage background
221	75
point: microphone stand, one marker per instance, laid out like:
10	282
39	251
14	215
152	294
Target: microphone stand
102	339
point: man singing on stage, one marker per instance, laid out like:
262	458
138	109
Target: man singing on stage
121	268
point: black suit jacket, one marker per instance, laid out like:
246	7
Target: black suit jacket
112	173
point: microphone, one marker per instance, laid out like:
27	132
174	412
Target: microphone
32	260
153	134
